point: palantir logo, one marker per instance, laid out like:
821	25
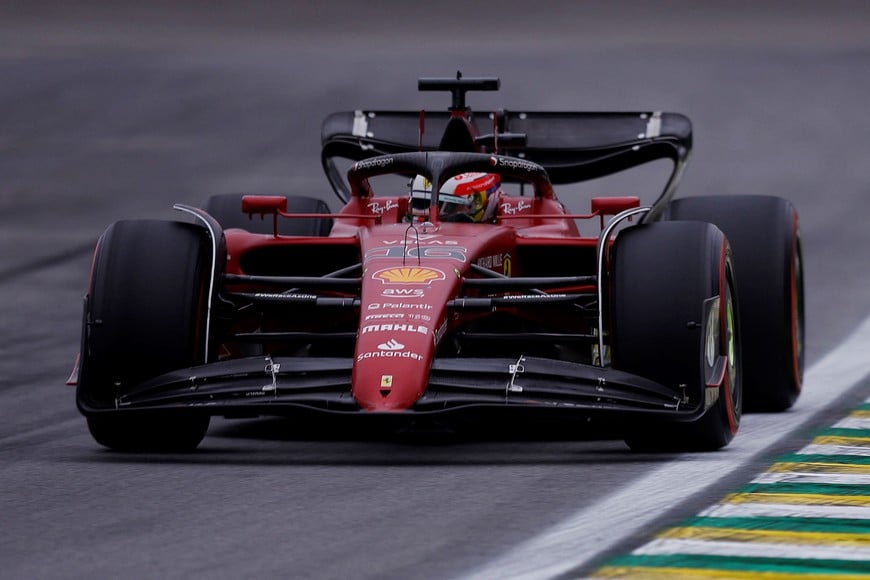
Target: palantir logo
391	344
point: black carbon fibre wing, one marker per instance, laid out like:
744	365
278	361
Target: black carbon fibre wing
571	146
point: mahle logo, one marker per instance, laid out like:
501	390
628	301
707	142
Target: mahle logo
395	328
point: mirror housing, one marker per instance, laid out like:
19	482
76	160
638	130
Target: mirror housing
264	204
607	206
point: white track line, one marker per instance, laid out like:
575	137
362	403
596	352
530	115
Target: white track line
782	510
814	478
862	423
581	537
816	449
754	550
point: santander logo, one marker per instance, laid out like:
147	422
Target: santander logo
390	349
391	344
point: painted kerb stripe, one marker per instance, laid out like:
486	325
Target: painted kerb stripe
807	517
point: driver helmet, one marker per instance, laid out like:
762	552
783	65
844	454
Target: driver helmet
463	198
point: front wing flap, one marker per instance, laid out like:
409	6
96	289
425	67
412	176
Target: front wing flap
284	385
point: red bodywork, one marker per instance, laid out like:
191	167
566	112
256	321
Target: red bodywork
410	272
388	308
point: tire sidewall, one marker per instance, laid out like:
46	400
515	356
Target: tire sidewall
146	306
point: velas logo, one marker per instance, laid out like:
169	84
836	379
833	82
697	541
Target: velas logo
408	275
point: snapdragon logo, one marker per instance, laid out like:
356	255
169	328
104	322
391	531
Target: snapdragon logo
374	162
513	163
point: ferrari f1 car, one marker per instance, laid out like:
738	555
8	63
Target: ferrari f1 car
663	320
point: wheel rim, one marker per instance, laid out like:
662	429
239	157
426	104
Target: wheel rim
797	314
731	351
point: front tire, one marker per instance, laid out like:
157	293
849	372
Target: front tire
145	315
765	238
158	434
674	321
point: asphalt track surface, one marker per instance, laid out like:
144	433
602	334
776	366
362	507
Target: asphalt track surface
110	112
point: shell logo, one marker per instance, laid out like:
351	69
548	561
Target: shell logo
408	275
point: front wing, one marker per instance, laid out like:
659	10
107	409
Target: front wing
285	386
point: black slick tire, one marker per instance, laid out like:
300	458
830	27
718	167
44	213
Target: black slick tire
668	325
144	316
765	239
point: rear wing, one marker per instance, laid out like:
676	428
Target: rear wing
571	146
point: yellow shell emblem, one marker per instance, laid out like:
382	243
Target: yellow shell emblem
405	275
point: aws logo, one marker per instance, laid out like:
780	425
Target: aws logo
403	293
408	275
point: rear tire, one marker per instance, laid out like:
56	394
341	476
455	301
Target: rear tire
765	238
226	208
145	315
666	328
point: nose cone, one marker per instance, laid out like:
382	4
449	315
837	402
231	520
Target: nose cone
409	276
401	307
392	365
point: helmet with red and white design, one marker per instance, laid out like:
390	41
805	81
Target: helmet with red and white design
463	198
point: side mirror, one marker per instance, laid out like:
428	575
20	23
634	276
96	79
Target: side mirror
605	206
264	204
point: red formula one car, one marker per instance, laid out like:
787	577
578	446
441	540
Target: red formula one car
453	287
